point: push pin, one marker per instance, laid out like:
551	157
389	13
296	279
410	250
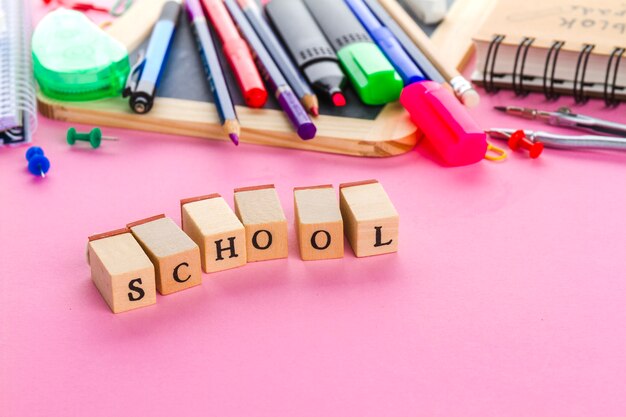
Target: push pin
38	164
94	137
518	139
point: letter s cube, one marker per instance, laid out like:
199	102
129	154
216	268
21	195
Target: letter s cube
121	270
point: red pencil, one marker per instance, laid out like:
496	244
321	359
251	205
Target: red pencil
237	53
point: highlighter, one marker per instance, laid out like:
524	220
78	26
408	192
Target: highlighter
387	43
308	47
447	126
372	75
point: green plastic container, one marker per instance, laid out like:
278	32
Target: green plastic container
75	60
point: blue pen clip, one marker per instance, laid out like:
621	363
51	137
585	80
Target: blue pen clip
135	74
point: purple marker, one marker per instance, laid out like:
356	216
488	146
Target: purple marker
275	80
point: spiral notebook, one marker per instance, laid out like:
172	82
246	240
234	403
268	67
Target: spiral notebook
18	112
555	47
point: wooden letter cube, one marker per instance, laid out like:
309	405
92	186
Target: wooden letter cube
211	223
370	219
260	211
319	225
175	256
121	270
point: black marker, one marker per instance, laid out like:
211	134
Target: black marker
308	47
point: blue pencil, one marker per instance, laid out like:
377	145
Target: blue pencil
387	42
219	88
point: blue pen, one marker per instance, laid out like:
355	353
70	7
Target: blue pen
145	75
385	40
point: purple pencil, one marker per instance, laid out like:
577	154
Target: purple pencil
275	80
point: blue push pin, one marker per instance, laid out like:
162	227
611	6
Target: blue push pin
38	164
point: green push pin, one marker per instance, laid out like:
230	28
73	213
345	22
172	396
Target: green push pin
94	137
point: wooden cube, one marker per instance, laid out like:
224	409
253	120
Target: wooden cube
211	223
121	270
319	225
370	219
260	211
175	256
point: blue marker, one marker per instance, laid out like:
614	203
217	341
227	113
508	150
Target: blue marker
144	77
385	40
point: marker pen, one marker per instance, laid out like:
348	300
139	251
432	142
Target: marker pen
388	43
276	82
254	14
371	74
308	47
145	76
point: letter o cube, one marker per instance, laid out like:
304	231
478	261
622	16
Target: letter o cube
319	225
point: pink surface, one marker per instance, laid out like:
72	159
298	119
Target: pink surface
506	298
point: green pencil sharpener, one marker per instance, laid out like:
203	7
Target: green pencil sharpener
75	60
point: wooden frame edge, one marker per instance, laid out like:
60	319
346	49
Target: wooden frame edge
392	133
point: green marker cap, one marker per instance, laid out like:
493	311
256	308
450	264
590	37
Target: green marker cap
373	77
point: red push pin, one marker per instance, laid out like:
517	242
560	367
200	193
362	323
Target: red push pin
519	140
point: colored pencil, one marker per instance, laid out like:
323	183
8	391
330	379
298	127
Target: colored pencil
280	56
275	80
237	53
217	82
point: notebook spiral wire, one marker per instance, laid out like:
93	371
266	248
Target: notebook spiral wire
17	88
578	89
490	64
551	60
609	89
522	50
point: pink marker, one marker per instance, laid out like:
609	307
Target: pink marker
445	122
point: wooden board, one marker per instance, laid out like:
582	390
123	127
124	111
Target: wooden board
357	130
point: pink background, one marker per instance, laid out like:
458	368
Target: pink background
507	296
